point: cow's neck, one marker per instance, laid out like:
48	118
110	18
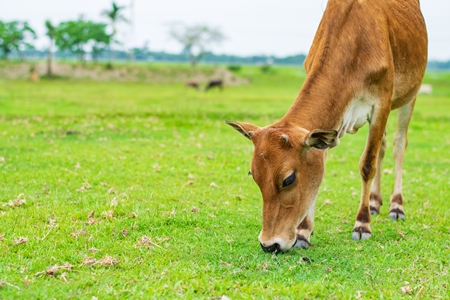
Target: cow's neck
332	73
321	103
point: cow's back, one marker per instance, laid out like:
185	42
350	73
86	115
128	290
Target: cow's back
360	39
409	43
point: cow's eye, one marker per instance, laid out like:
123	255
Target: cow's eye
289	180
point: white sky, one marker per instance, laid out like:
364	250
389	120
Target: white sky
282	27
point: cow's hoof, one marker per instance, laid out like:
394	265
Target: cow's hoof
374	211
302	242
361	233
396	214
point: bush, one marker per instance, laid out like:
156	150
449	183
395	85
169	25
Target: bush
266	68
108	66
234	68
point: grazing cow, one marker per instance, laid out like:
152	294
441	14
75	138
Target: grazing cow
368	57
214	83
192	83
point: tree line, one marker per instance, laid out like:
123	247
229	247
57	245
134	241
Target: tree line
145	55
74	39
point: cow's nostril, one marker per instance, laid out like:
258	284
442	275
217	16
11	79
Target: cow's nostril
271	249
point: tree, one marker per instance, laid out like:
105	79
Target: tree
115	16
99	38
51	33
14	36
72	36
195	39
142	52
75	36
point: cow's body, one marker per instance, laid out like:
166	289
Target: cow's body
368	57
218	83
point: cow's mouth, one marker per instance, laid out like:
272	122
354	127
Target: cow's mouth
275	248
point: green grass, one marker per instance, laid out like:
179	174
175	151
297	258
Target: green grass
150	179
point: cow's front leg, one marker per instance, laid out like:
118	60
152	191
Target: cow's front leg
305	229
368	169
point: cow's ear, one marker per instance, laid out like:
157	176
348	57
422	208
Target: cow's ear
321	139
246	129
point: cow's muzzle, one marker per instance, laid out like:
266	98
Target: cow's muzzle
275	248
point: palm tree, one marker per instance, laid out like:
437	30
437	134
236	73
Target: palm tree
51	33
115	16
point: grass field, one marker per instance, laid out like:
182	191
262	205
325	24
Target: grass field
133	190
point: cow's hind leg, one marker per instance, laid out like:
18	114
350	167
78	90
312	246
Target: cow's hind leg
400	142
305	229
375	195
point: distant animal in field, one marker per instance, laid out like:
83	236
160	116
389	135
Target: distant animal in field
34	76
192	83
426	89
218	83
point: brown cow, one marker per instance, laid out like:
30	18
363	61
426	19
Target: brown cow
368	57
192	83
34	76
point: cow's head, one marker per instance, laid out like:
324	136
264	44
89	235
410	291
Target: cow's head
288	165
